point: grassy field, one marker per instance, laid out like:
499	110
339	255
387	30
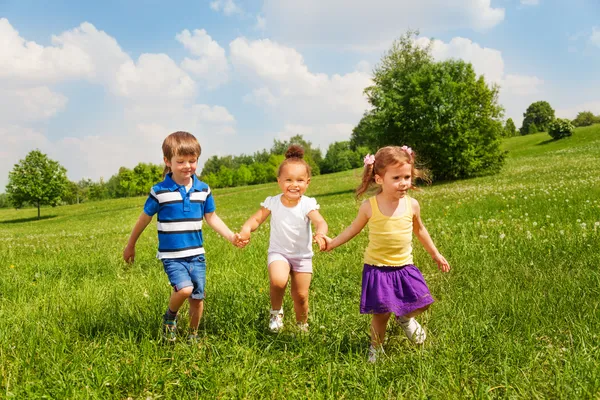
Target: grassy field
517	317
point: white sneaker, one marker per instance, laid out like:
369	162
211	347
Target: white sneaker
374	354
302	327
413	330
276	320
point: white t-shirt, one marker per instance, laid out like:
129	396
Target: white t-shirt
291	233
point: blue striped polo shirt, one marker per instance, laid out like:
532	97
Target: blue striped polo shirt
180	216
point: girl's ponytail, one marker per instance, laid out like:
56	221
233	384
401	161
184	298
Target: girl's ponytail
368	177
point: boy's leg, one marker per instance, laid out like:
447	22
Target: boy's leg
196	310
300	287
279	272
378	327
178	298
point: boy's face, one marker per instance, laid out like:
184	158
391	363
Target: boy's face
183	167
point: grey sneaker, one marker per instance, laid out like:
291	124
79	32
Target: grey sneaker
413	330
374	354
276	320
170	330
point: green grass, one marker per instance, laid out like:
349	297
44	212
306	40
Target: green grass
517	317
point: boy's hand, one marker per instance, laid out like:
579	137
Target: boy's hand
239	241
441	263
129	254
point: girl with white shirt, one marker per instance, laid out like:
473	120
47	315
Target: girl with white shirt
290	250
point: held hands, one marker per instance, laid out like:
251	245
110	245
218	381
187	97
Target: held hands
323	241
241	239
441	262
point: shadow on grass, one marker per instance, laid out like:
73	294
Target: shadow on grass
319	195
30	219
546	142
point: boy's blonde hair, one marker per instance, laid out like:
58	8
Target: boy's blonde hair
180	143
385	157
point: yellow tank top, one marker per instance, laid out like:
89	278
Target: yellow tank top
390	238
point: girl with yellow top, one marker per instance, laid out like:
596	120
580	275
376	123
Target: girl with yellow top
390	281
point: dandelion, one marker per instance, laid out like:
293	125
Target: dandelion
583	225
534	223
483	236
502	236
12	266
578	220
146	295
547	216
529	235
561	232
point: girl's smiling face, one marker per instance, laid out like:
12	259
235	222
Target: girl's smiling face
396	180
293	182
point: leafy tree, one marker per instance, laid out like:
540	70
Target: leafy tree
99	191
441	109
4	203
341	157
242	176
37	180
539	114
560	128
311	156
510	129
584	118
366	132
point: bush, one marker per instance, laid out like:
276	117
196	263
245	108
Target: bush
560	128
584	118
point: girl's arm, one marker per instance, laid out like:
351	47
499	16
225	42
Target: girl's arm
254	222
215	222
421	232
320	228
140	225
364	213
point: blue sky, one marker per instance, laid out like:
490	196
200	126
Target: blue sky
98	85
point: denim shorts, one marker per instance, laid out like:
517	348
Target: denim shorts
187	271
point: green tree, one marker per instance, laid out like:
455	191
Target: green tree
4	203
510	129
341	157
242	176
311	156
539	114
441	109
584	118
37	180
560	128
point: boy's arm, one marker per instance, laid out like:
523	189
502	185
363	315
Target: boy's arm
215	222
423	235
320	228
140	225
364	213
254	222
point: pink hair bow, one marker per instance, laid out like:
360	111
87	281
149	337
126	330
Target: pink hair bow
407	149
369	159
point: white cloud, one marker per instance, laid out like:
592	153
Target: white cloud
29	104
572	111
21	60
595	37
284	83
229	7
361	24
211	66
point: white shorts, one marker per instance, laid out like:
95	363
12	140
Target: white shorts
296	264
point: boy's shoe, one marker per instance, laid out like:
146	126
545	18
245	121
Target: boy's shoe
374	354
170	330
276	320
193	338
413	330
302	327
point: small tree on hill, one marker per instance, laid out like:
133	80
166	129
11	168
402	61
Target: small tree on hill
538	114
510	129
37	180
560	128
584	118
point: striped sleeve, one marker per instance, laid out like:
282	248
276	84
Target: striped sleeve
151	205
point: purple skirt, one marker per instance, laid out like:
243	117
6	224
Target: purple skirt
399	290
